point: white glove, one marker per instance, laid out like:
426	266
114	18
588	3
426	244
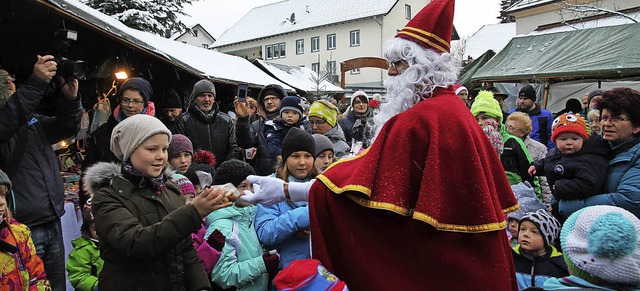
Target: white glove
268	190
299	191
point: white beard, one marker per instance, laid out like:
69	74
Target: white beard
401	95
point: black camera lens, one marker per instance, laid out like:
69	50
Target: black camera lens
69	68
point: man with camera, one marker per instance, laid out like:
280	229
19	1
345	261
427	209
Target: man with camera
29	160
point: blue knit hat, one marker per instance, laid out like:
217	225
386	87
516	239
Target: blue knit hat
140	84
291	103
600	245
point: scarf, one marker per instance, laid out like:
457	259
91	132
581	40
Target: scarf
363	126
157	183
624	146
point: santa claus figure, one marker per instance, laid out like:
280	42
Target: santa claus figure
424	207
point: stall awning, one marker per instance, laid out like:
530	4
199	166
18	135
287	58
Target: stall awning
210	64
604	52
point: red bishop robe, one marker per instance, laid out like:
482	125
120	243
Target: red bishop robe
422	209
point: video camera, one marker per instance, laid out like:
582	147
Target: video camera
68	68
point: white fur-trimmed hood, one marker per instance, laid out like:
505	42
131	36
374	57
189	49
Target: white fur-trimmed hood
101	175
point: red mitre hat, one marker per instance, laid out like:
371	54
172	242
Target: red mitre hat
432	26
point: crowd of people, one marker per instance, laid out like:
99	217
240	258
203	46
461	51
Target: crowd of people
293	196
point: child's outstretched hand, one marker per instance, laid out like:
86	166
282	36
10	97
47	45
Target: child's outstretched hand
210	199
532	170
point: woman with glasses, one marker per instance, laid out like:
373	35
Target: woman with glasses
358	116
620	126
323	119
134	95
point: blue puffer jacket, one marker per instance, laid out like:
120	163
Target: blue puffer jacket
622	188
540	116
285	226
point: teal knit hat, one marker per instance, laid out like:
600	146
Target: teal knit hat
485	103
600	245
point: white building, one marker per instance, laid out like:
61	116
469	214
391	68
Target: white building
320	34
542	15
196	35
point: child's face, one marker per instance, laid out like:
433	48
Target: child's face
513	227
299	164
92	231
482	118
151	156
569	142
324	159
244	185
530	238
181	162
188	198
290	117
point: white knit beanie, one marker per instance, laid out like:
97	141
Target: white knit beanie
132	132
602	242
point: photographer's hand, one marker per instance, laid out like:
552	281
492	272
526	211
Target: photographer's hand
45	68
69	88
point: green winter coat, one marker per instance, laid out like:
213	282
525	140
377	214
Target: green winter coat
516	161
240	264
84	264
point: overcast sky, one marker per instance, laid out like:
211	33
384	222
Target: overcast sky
216	16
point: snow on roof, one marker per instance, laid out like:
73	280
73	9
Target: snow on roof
489	37
298	77
195	26
207	63
525	4
609	21
274	19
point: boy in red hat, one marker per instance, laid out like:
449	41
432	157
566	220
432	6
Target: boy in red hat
577	167
426	201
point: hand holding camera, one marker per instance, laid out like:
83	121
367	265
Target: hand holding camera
45	68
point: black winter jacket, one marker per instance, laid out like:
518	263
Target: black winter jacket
145	239
215	133
578	175
99	144
253	135
37	185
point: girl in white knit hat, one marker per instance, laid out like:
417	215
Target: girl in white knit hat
140	215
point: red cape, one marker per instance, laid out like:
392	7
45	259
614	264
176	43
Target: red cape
422	208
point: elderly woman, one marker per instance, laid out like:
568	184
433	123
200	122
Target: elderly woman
355	122
519	125
620	122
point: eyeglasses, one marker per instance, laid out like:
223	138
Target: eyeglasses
269	99
613	119
129	101
318	123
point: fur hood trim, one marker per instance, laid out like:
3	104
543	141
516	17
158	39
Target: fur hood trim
101	175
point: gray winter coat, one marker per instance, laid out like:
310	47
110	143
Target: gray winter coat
145	239
37	185
340	146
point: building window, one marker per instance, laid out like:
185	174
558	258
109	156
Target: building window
276	51
331	67
299	46
331	41
269	50
195	32
315	44
407	11
315	67
354	39
355	71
